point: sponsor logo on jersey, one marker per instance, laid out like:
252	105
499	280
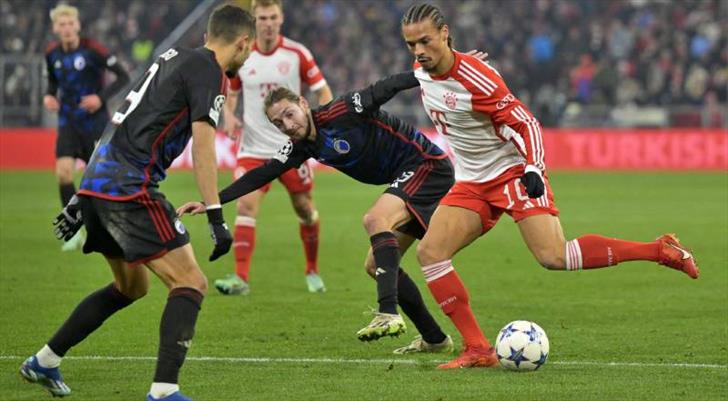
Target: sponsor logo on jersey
58	64
451	100
504	102
79	63
356	99
284	67
179	226
341	146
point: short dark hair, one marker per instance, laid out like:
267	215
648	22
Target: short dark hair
278	94
420	12
228	22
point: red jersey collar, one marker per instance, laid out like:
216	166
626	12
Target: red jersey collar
278	44
452	69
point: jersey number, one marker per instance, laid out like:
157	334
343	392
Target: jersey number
438	118
134	97
516	188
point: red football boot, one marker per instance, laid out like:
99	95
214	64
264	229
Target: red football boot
674	255
473	357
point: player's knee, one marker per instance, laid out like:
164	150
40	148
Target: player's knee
428	253
64	175
133	291
246	209
550	259
373	223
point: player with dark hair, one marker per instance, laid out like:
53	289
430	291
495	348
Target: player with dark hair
354	136
499	169
130	222
275	61
76	68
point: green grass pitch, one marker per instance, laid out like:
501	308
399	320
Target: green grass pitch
634	332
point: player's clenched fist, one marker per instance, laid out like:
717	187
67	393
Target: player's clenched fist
533	182
219	232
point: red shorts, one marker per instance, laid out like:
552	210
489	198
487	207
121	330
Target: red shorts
503	194
295	180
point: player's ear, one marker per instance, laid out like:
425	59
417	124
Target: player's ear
303	102
445	33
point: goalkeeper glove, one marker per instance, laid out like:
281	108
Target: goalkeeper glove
69	221
219	232
533	181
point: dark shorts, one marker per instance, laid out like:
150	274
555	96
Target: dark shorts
421	187
76	141
138	231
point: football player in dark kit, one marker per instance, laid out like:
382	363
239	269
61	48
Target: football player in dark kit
130	222
76	68
354	136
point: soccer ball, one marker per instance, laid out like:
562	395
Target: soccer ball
522	346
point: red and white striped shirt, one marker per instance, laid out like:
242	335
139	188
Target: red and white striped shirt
288	65
488	129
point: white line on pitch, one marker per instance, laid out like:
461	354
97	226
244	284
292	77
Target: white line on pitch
373	361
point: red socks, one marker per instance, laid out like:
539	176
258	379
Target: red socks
310	238
244	245
451	295
594	251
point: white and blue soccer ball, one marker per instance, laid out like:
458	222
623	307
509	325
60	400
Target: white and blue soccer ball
522	345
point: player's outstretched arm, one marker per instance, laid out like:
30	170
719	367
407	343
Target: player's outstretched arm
385	89
205	165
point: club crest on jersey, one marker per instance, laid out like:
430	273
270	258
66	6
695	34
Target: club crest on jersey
79	63
179	226
341	146
451	100
284	67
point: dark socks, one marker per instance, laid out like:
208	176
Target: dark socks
87	317
412	304
67	191
176	331
386	257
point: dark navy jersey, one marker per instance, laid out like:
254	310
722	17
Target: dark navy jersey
80	72
355	137
154	124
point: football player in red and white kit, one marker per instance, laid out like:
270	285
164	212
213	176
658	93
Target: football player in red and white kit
275	61
499	169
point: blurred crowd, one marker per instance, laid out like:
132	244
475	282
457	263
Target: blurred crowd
130	29
554	54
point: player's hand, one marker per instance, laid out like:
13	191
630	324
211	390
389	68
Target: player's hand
232	126
483	56
532	179
219	233
90	103
51	103
69	221
192	208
